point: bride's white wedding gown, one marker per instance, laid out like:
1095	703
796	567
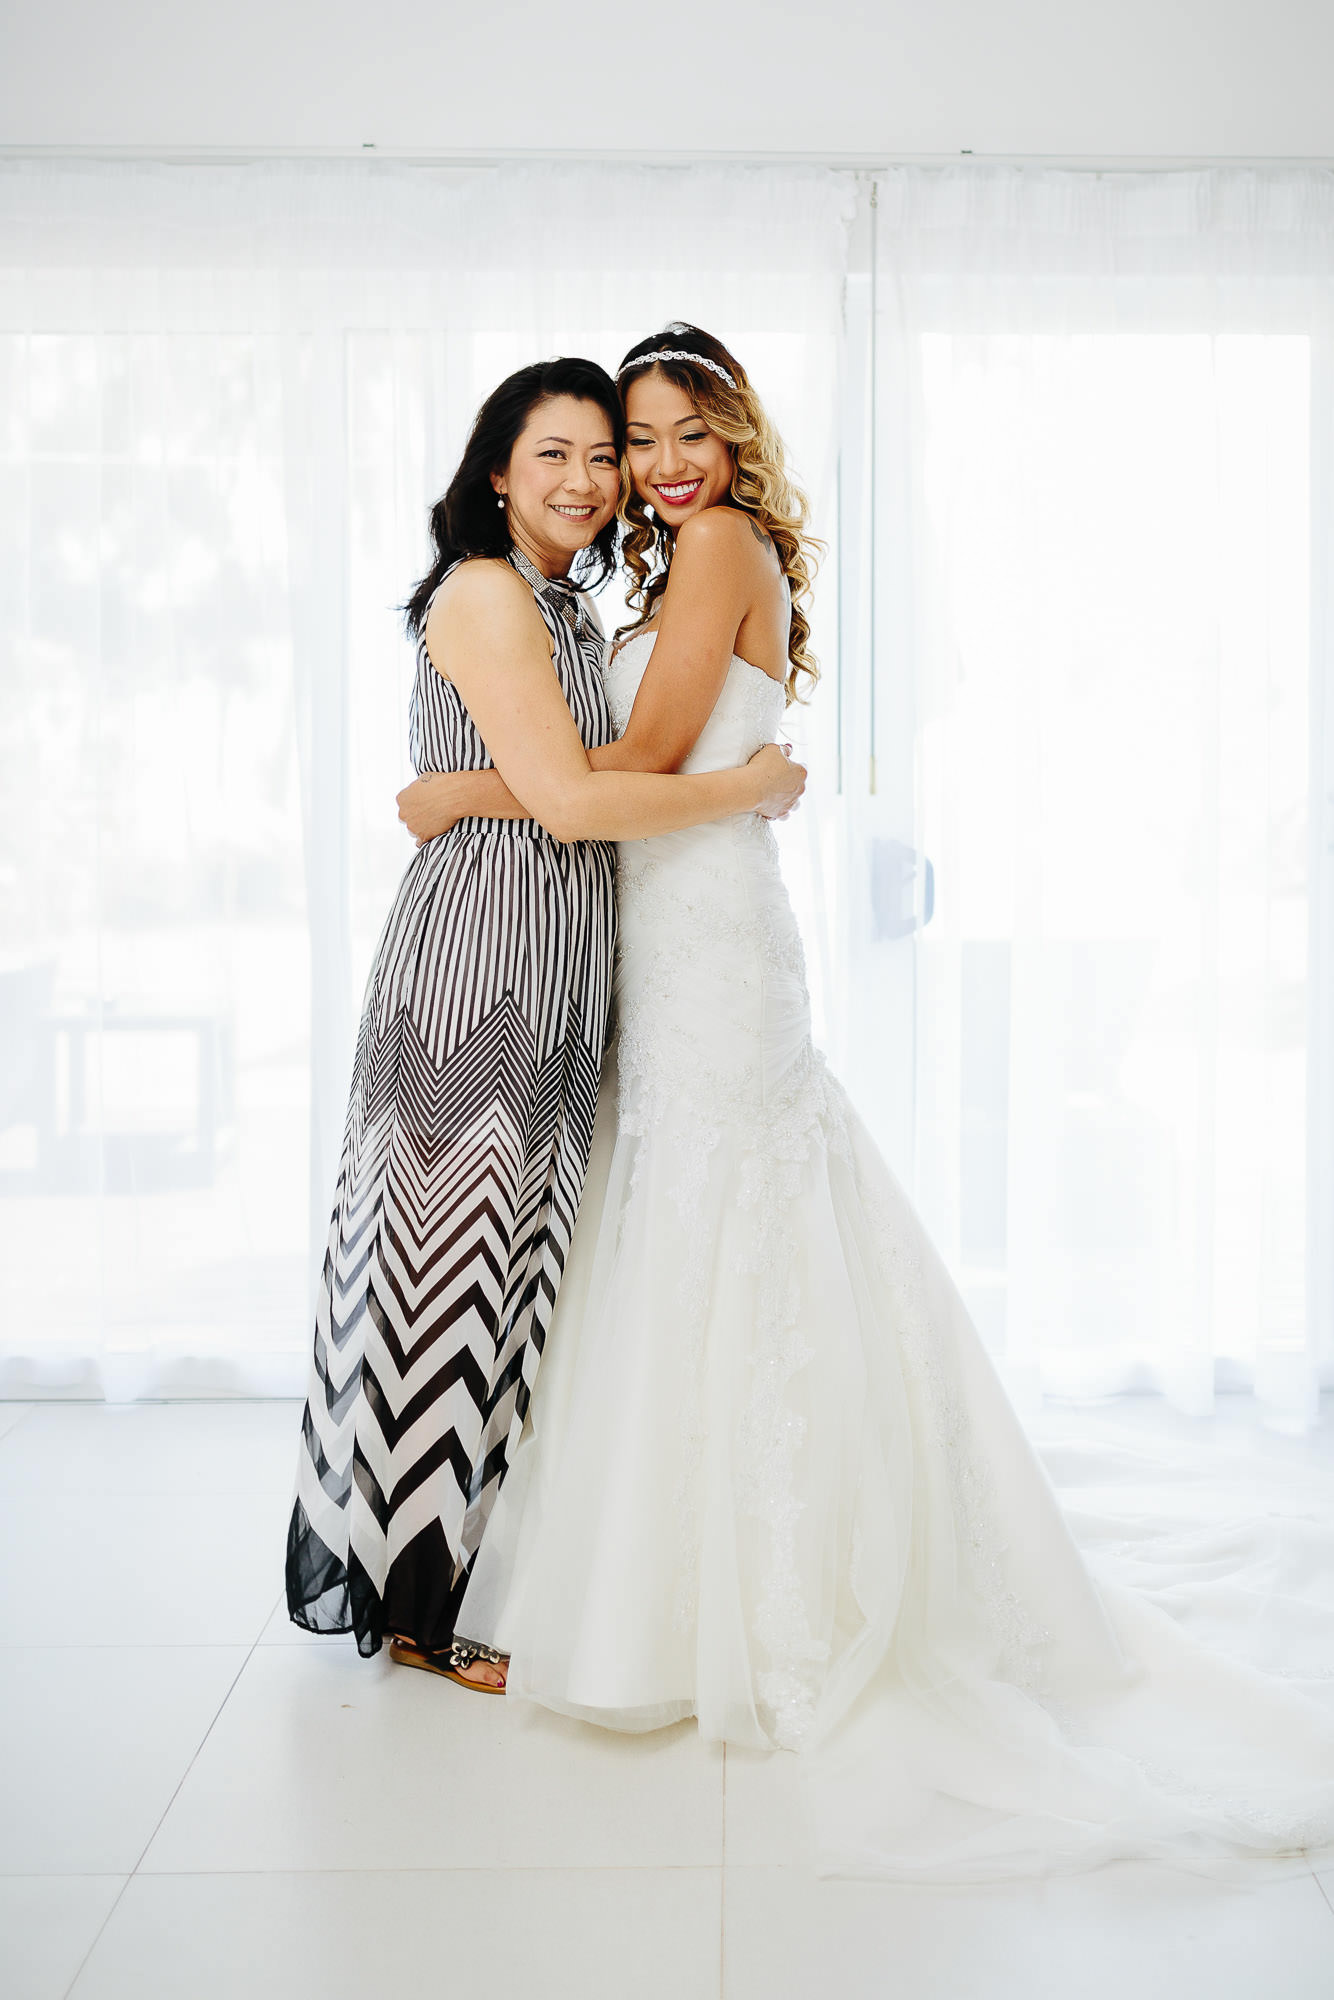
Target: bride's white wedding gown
771	1480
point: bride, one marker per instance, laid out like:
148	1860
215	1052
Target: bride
769	1478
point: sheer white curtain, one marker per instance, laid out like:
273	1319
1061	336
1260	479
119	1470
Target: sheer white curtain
1101	503
1071	439
229	396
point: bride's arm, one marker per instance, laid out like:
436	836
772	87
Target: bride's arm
485	634
720	564
710	587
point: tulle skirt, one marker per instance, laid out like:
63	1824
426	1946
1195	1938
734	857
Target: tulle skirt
771	1480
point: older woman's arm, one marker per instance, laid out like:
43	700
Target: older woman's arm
713	578
485	635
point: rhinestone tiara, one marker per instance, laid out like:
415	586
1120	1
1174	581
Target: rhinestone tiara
678	354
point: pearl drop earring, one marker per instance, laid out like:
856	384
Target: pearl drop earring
500	500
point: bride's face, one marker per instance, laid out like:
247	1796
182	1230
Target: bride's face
562	481
678	465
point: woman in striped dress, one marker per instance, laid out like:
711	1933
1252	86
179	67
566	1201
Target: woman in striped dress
476	1073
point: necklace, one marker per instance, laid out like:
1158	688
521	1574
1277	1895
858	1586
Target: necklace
560	595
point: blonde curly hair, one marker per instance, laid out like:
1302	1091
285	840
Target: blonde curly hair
760	485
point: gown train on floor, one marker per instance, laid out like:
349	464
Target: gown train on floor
771	1480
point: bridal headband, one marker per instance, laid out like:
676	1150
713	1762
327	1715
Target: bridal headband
677	354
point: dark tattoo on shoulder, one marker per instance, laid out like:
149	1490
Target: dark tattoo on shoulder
758	532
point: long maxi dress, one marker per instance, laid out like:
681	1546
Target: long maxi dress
467	1139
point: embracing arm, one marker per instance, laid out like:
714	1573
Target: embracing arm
485	634
715	574
712	580
437	800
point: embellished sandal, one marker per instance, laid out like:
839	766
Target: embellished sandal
450	1661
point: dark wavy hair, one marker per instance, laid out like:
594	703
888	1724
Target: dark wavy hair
467	521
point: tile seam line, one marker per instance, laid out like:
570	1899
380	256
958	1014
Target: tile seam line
464	159
939	1889
722	1889
61	1874
115	1905
175	1645
1329	1900
463	1868
157	1827
213	1723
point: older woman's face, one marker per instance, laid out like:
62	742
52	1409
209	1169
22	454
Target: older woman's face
562	481
678	465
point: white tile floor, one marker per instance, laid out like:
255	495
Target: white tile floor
204	1804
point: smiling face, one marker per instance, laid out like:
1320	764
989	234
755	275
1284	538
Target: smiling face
562	482
679	466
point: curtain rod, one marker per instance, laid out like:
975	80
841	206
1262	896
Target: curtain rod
859	163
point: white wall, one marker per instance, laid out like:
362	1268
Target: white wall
1157	78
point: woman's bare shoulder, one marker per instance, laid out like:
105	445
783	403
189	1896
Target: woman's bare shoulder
483	588
484	591
717	530
479	583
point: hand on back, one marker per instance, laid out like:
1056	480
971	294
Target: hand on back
429	806
783	779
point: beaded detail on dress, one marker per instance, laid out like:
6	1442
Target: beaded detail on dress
687	905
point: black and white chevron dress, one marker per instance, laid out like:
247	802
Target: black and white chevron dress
463	1162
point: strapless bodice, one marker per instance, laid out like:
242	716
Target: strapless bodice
709	980
746	714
